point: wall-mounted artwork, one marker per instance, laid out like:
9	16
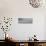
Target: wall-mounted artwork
25	20
37	3
5	24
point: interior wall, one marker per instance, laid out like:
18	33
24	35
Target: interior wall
22	8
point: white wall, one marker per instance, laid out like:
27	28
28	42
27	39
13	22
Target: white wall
24	31
21	8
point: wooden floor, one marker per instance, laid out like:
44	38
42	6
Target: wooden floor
4	43
25	43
